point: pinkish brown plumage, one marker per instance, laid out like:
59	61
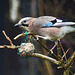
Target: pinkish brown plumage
47	27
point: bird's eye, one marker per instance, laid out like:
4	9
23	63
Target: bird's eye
24	21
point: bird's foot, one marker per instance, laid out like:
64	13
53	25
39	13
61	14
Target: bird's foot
53	48
37	37
51	51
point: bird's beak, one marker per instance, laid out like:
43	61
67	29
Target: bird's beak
17	25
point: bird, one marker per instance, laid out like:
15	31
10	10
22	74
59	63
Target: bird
46	27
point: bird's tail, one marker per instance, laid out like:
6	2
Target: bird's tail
73	25
64	24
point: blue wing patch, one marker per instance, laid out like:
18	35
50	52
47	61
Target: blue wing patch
48	24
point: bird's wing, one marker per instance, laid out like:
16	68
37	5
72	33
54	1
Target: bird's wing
64	24
58	23
49	24
44	21
52	23
49	21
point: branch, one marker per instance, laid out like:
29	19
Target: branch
21	35
65	54
11	46
45	57
59	49
70	61
66	66
29	33
7	38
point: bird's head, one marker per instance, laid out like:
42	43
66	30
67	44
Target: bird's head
24	23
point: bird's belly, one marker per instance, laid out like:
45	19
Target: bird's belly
48	33
46	37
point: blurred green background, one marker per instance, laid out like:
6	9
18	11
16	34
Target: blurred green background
11	11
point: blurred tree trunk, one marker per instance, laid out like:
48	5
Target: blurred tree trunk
33	8
46	64
41	7
12	62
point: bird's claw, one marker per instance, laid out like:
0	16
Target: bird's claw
51	51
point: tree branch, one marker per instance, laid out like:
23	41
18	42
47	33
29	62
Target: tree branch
10	46
65	65
70	61
29	33
7	38
59	49
45	57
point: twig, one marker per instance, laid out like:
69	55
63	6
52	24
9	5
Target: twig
21	35
45	57
7	38
10	46
66	71
65	53
70	61
59	49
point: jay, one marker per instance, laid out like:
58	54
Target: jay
46	27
